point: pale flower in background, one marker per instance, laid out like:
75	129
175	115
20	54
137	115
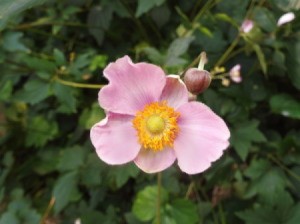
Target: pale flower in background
286	18
247	26
150	121
235	73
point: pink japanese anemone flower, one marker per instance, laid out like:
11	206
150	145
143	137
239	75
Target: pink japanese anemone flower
150	121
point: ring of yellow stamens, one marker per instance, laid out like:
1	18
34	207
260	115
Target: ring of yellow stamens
156	126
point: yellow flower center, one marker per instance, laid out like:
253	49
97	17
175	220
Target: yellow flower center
156	126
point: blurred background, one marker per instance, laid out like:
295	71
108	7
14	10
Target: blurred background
52	54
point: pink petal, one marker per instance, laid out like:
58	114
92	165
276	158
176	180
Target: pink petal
175	92
202	137
247	26
235	73
286	18
237	79
151	162
131	86
115	139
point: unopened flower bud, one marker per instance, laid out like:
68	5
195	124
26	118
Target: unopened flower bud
196	80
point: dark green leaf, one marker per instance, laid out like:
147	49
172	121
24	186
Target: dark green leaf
12	41
59	57
244	135
265	19
34	91
293	63
10	8
145	5
65	95
71	158
123	173
40	131
285	105
63	190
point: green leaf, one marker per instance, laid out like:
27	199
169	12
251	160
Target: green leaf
12	42
65	96
281	211
63	189
99	61
40	64
244	135
183	211
89	117
177	48
285	105
34	91
264	18
123	173
71	158
146	5
5	90
257	168
144	206
295	215
92	172
268	184
47	161
293	63
10	8
261	58
226	18
99	19
40	131
59	57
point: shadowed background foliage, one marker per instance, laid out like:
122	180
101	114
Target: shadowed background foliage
52	53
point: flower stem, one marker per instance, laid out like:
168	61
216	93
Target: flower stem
78	85
228	51
158	198
50	206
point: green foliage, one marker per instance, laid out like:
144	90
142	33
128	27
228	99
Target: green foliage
52	53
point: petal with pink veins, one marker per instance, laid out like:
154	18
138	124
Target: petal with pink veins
202	137
131	86
175	92
115	139
151	161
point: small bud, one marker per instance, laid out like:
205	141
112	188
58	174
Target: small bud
197	80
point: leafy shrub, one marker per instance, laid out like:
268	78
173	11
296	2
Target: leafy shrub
52	55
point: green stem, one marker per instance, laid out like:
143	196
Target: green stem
194	63
158	198
78	85
46	214
222	215
228	51
190	189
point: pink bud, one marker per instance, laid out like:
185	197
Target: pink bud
197	80
247	26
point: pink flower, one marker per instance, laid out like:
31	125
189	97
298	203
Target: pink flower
150	121
247	26
286	18
235	73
